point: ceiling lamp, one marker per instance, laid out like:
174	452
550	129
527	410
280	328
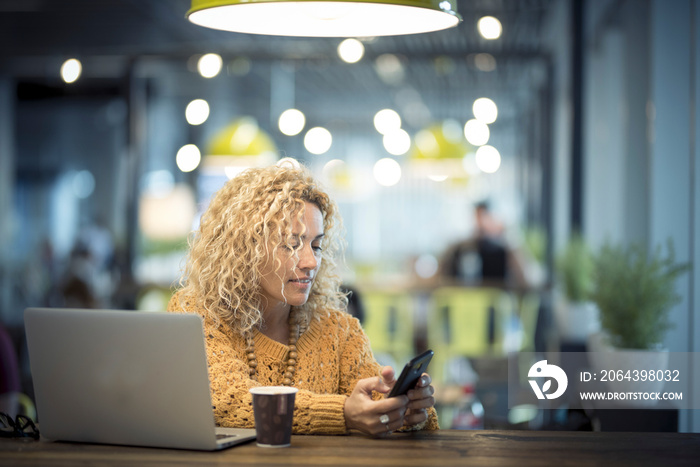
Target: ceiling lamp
326	18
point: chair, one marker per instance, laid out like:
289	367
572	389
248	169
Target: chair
388	323
466	322
529	314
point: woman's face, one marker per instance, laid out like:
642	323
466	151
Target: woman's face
287	282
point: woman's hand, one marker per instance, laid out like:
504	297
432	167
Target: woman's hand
377	418
420	400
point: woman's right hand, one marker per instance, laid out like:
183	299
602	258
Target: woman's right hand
367	415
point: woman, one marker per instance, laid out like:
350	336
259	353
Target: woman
262	272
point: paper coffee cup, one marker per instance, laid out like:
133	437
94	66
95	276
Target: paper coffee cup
273	407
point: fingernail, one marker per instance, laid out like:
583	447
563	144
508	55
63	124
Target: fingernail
410	394
424	381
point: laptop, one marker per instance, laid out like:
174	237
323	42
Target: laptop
123	377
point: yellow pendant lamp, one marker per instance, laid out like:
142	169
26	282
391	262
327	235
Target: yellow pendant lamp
326	18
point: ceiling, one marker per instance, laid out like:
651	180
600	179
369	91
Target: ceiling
439	68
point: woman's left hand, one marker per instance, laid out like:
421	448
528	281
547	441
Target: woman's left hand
420	400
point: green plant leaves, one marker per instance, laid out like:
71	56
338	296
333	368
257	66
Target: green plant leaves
635	291
575	269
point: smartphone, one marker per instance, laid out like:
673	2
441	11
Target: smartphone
411	373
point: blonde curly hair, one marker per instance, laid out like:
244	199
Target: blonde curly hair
245	223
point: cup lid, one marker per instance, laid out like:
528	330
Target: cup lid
273	390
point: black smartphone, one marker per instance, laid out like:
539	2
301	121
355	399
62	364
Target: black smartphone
411	373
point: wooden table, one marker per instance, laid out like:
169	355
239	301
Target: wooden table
440	448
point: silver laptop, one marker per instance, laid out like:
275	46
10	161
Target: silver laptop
123	377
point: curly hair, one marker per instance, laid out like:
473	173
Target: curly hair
244	224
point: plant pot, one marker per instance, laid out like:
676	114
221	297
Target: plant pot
604	357
578	320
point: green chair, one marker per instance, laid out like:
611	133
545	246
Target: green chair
466	322
529	313
388	323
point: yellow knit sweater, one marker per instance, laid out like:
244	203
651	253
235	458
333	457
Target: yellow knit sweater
333	354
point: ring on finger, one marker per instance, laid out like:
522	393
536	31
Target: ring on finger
384	418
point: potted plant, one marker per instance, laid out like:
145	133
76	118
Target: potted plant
634	290
578	317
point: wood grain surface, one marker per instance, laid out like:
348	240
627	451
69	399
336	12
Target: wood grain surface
440	448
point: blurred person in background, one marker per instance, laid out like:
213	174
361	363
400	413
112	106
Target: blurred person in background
77	290
263	273
490	256
88	280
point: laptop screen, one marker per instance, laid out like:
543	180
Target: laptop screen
120	377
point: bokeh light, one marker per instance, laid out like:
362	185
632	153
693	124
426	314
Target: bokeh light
387	172
197	112
188	158
387	120
351	50
476	132
291	122
485	110
452	131
318	140
397	142
83	184
390	69
489	28
485	62
488	159
240	66
71	70
209	65
336	174
427	143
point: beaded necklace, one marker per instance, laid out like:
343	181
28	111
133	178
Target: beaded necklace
291	355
